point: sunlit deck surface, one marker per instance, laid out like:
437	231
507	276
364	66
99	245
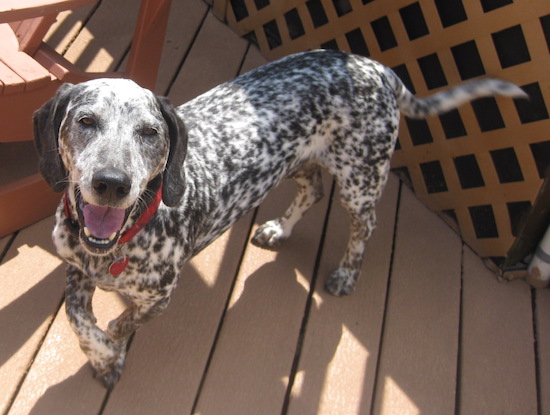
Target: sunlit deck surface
429	330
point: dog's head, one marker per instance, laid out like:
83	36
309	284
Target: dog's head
106	141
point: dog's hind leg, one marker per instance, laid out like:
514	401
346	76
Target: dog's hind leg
342	281
310	191
361	186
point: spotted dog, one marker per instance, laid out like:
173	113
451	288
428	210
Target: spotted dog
147	186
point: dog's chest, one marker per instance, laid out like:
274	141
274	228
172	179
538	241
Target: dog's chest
138	270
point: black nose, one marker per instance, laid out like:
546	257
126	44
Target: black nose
111	184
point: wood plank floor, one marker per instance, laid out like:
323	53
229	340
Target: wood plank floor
429	331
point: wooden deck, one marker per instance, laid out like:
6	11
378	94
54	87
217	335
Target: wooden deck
249	331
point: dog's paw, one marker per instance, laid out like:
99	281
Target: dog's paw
269	235
341	282
110	376
109	370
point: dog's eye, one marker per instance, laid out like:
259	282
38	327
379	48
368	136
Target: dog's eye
149	132
87	121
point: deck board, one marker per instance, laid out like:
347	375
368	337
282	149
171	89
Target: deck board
253	59
339	357
429	330
417	371
101	45
184	23
259	335
497	347
4	242
67	26
60	380
216	57
543	346
28	302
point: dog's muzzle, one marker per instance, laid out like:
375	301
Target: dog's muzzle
97	227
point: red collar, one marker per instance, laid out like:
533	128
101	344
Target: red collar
128	234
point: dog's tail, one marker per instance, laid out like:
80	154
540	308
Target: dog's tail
451	98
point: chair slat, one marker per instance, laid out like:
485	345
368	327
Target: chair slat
11	82
33	74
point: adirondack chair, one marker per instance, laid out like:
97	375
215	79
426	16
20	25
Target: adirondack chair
30	73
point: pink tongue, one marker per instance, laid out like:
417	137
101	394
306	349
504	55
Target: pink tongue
102	221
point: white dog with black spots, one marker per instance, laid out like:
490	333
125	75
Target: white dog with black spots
147	186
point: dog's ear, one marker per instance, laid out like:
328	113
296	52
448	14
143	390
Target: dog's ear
173	186
47	121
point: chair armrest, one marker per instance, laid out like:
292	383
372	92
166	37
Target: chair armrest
15	10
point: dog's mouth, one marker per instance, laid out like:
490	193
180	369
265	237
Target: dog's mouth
100	226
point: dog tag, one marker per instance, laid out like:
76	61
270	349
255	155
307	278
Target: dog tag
118	265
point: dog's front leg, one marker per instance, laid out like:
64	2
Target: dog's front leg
105	354
138	313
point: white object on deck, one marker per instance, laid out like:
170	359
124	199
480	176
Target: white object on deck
539	267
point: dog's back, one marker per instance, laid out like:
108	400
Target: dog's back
326	107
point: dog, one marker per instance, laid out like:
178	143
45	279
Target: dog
147	186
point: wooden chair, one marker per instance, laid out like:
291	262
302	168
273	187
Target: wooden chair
31	72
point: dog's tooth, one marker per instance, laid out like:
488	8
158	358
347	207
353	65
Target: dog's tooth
87	232
113	236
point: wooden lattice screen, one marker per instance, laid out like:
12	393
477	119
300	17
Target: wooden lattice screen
481	166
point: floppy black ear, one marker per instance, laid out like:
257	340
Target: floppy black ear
47	121
173	186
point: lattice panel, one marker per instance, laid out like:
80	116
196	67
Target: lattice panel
479	166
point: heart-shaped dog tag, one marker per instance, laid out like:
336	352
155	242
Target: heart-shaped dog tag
118	265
